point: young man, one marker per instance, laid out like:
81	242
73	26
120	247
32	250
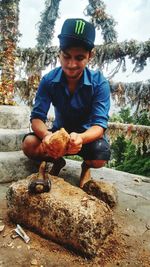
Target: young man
81	99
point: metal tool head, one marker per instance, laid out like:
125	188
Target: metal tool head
39	186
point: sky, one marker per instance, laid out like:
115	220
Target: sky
132	17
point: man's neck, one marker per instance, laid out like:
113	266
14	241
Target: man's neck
72	85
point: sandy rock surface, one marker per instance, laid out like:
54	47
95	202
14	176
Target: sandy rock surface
66	214
102	190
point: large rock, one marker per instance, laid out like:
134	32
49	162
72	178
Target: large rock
66	214
14	117
15	165
11	139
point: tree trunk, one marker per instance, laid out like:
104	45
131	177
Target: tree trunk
9	11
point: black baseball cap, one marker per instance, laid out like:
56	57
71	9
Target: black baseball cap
77	32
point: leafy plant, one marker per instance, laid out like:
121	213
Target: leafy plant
125	156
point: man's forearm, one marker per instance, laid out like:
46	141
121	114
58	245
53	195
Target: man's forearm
39	127
92	134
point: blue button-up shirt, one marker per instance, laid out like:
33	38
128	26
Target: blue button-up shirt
88	106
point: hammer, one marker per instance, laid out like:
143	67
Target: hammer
41	184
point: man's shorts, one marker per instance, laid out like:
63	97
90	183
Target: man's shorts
96	150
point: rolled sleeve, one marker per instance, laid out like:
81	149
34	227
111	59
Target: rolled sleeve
101	104
42	101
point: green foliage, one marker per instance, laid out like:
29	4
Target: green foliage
125	156
116	118
118	149
74	157
137	165
125	115
142	119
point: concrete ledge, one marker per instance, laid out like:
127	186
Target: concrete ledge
15	166
14	117
11	140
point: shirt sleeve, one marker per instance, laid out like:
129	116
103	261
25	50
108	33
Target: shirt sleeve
100	103
42	101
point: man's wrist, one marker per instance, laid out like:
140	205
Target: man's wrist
46	133
82	137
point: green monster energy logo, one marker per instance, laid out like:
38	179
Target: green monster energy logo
79	28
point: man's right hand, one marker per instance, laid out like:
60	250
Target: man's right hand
49	149
56	144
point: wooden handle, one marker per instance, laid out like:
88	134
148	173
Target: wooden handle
42	168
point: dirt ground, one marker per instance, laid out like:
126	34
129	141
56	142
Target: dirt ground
129	245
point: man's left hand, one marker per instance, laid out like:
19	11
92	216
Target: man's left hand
75	143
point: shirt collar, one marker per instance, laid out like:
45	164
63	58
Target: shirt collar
59	77
86	78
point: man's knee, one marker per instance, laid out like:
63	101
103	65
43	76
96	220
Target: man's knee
95	163
29	145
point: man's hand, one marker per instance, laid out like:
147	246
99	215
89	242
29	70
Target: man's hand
75	143
55	144
48	149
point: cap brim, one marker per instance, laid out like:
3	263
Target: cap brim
67	41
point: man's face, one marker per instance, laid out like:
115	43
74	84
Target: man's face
73	61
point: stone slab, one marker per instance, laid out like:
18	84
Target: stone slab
11	139
14	117
15	165
66	214
128	183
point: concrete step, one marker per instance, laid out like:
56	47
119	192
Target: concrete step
11	139
15	166
14	117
